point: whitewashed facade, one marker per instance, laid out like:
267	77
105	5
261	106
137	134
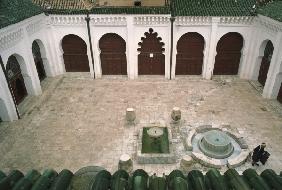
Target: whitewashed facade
49	31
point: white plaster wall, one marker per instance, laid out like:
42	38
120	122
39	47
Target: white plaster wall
7	108
245	32
20	45
164	33
50	30
97	31
57	34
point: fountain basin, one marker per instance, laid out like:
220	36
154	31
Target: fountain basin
152	149
216	144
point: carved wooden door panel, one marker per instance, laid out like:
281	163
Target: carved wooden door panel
75	54
189	57
113	58
151	60
228	56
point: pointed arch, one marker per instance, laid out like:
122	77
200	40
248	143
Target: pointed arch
189	57
113	58
228	56
151	60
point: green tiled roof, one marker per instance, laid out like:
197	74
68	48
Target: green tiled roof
213	7
61	4
95	177
272	10
130	10
13	11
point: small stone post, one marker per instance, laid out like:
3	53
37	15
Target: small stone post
176	114
125	163
186	162
130	114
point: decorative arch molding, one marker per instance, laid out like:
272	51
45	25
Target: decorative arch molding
66	20
151	59
112	54
10	38
190	54
229	51
151	20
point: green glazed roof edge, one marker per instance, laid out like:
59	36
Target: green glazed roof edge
114	10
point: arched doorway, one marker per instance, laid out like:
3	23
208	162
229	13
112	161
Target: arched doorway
75	54
189	57
38	61
151	60
265	62
228	56
113	58
16	79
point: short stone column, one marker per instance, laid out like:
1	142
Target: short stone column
125	163
186	162
130	114
176	114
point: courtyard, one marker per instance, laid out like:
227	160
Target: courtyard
78	121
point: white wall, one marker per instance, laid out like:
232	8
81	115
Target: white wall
49	31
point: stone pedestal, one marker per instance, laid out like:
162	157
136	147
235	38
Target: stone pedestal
186	162
125	163
130	114
176	114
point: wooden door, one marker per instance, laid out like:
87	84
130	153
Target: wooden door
38	61
16	79
228	56
113	58
265	63
75	54
279	97
151	60
189	57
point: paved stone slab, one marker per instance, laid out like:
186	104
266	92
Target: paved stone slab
78	121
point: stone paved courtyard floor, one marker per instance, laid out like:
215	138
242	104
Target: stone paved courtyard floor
78	121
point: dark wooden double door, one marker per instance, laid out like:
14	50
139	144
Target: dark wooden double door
75	54
151	63
18	88
151	60
189	57
265	63
113	57
228	56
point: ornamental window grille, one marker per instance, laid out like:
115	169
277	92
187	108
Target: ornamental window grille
13	67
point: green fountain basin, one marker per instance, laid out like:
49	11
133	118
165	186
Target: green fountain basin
155	145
